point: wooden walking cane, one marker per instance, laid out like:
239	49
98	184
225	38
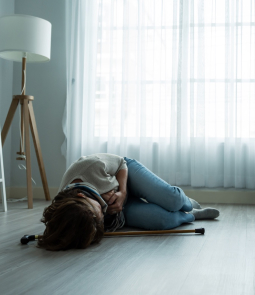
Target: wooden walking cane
27	238
155	232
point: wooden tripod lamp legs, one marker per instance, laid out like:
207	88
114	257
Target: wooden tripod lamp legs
29	120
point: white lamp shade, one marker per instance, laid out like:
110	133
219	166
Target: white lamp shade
25	34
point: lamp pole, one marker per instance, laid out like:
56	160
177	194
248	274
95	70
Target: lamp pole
23	91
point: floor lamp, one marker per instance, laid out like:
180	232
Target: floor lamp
25	38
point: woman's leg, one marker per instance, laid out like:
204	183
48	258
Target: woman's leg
151	216
142	183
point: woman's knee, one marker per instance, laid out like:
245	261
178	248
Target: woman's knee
174	199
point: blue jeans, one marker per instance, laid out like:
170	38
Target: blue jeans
166	205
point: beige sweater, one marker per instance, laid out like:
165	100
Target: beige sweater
97	171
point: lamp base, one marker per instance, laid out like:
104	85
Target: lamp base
28	120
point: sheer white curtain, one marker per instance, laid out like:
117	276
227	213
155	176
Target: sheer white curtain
169	83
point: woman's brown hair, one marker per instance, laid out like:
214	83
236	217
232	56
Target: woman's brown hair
70	222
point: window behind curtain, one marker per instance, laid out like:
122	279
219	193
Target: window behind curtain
147	53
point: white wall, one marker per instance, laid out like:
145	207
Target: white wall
47	83
6	79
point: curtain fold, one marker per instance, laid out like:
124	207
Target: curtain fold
169	83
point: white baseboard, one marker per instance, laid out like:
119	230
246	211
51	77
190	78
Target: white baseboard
21	192
223	196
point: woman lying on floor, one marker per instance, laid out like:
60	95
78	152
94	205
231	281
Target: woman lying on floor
102	192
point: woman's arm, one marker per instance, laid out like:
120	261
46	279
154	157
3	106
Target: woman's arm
115	203
121	177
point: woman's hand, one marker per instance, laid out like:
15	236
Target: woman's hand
114	200
115	203
107	196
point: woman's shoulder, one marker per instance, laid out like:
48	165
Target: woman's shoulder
100	157
87	160
97	161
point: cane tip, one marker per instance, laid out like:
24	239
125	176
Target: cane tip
200	231
24	240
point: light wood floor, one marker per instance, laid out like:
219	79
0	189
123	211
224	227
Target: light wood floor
220	262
